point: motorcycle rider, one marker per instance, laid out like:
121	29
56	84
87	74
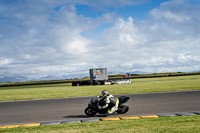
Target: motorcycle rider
109	101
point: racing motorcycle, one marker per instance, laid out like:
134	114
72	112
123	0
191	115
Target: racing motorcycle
93	109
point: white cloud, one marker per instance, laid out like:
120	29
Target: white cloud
38	40
176	11
154	43
169	15
5	61
76	47
122	34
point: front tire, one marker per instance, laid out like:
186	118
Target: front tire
122	109
90	112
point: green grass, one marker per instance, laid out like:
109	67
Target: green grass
142	85
4	84
186	124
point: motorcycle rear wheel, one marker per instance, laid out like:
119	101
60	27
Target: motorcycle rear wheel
122	109
90	112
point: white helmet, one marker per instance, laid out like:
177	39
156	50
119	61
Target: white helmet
104	93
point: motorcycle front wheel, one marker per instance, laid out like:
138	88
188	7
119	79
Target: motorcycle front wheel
90	112
122	109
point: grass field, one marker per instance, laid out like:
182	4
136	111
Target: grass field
188	124
177	124
142	85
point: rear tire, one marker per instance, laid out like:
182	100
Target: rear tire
122	109
90	112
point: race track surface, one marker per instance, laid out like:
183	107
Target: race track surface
73	108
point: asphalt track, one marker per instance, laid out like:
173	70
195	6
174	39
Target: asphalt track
73	108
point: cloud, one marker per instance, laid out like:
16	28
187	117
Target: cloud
5	61
40	38
160	42
175	11
102	5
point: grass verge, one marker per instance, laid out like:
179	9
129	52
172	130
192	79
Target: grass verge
143	85
186	124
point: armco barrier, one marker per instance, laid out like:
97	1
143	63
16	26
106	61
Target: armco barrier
102	119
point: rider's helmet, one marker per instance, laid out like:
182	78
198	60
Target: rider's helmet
104	93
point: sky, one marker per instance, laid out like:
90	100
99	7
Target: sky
40	38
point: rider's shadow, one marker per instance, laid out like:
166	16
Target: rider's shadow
76	116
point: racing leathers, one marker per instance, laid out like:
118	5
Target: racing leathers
111	103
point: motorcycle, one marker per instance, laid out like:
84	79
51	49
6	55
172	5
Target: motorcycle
93	109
